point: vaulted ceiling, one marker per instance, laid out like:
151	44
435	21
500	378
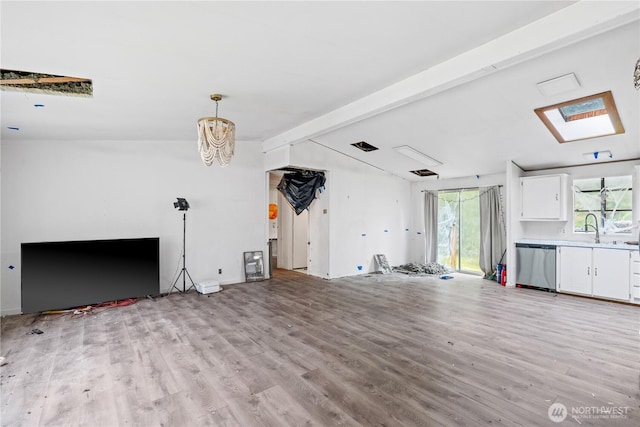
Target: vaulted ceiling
454	80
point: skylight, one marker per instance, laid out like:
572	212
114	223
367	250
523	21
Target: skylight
583	118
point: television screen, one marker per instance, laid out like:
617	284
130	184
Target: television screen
62	275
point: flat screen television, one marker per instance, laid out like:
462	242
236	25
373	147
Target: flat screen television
62	275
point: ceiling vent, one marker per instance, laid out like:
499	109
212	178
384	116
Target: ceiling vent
364	146
559	85
423	172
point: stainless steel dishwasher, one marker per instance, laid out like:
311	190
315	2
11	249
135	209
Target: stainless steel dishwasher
536	265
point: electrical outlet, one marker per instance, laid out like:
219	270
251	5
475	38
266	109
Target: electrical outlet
219	271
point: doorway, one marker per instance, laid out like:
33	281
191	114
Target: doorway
459	230
288	232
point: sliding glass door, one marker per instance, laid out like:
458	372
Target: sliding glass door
459	230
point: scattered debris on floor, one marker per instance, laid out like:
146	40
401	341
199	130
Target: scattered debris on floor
35	331
3	361
418	268
91	309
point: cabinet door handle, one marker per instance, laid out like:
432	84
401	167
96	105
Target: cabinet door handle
588	271
556	196
595	271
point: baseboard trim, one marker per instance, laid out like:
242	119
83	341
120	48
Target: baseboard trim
10	312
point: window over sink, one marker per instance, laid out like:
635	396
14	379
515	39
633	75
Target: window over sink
609	199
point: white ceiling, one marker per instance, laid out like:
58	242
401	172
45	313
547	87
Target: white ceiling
455	80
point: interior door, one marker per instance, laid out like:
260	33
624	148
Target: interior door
300	239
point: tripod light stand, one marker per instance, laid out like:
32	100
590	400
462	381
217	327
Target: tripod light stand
183	205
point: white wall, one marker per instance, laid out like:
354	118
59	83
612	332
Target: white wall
3	265
515	227
79	190
362	200
319	234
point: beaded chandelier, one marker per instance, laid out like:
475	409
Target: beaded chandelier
216	137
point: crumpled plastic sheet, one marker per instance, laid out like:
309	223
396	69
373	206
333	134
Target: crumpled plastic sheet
615	197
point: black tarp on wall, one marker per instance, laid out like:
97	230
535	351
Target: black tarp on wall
299	188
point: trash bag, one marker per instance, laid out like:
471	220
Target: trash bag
299	188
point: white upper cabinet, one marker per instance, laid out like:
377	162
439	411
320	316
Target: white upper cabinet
544	198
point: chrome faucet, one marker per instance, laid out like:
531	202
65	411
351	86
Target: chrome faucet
595	226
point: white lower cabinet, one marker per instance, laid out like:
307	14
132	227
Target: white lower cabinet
634	277
611	273
594	272
575	270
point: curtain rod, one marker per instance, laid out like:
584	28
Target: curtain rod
464	188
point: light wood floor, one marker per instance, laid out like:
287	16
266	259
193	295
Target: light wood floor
375	351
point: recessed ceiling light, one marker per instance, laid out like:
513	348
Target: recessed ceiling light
364	146
417	155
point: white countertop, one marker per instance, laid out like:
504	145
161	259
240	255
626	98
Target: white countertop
607	245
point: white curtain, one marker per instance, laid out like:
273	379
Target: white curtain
431	225
492	230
